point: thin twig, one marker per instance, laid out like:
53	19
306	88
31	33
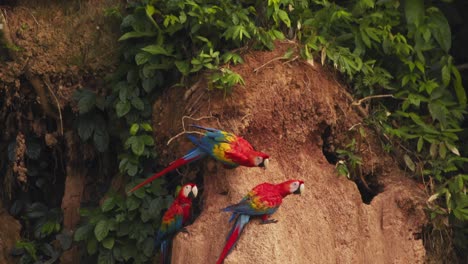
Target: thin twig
268	62
353	126
359	102
291	60
189	132
47	82
35	20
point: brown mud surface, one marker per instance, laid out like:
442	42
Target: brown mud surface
288	109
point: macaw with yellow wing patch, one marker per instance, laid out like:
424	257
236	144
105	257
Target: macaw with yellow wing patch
176	217
229	149
263	201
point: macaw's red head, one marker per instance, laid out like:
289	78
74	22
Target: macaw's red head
260	159
189	190
292	187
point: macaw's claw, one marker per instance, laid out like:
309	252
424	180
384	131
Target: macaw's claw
269	221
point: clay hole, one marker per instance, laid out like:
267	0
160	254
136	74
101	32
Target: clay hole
328	149
368	187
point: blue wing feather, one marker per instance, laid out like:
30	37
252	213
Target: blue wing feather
205	128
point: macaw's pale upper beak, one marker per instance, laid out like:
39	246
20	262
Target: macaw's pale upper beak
265	163
194	192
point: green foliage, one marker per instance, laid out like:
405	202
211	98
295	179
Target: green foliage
406	54
397	48
122	228
46	225
91	123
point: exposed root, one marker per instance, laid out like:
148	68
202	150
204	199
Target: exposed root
360	101
268	62
47	83
190	132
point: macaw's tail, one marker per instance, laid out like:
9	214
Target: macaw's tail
233	236
192	155
166	252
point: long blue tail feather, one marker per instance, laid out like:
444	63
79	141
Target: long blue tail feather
166	251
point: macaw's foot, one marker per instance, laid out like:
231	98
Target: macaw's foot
184	230
269	221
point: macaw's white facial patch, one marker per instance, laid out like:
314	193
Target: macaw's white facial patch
294	186
258	161
187	190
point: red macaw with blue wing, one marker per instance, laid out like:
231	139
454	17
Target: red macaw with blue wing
176	217
263	201
229	149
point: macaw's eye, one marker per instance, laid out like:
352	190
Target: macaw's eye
294	187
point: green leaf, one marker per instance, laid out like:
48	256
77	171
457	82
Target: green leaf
142	58
284	17
108	242
135	34
105	257
183	67
409	162
138	146
442	150
149	84
148	246
122	108
92	246
147	127
156	50
129	250
134	129
446	75
133	203
459	90
101	230
86	102
440	29
438	112
101	139
420	144
452	148
138	103
414	11
83	232
148	140
433	150
108	204
86	127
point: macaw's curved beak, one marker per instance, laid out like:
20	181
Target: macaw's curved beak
265	163
300	190
194	192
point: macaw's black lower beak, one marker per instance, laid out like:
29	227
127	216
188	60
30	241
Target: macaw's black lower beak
300	190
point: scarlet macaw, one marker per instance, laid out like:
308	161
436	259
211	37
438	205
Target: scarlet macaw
225	147
175	218
263	201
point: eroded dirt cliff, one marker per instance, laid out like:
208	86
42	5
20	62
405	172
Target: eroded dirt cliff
287	108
